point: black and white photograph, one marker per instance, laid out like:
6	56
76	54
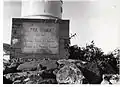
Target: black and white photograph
61	42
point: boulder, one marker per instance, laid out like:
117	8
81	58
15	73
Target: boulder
28	66
90	70
38	65
69	74
92	73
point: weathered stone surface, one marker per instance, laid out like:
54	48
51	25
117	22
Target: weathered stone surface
17	82
69	74
13	65
92	73
16	76
29	82
28	66
25	77
6	48
21	74
6	62
68	61
49	64
48	74
65	62
72	72
9	70
6	59
38	65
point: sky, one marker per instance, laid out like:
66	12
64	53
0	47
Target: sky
97	20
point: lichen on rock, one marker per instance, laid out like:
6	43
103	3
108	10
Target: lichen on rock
69	74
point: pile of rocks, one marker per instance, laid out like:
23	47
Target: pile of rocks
48	71
45	71
30	77
32	72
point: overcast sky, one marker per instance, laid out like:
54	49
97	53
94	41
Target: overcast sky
97	20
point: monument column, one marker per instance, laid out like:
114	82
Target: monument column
44	9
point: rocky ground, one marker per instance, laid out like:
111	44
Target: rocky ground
78	69
52	72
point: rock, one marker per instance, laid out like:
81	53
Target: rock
17	82
4	67
8	76
55	71
6	62
38	65
69	74
16	76
6	48
68	61
105	82
28	66
7	81
38	73
48	74
49	64
27	79
111	79
6	59
65	62
108	69
14	65
48	81
29	82
115	79
11	69
35	80
92	73
106	79
21	74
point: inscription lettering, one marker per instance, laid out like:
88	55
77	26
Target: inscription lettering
39	39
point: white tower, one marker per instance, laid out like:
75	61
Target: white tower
44	9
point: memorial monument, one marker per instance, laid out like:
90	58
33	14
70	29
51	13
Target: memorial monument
40	32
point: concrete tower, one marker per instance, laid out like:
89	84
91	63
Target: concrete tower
44	9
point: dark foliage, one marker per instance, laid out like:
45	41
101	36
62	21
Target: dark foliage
92	53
